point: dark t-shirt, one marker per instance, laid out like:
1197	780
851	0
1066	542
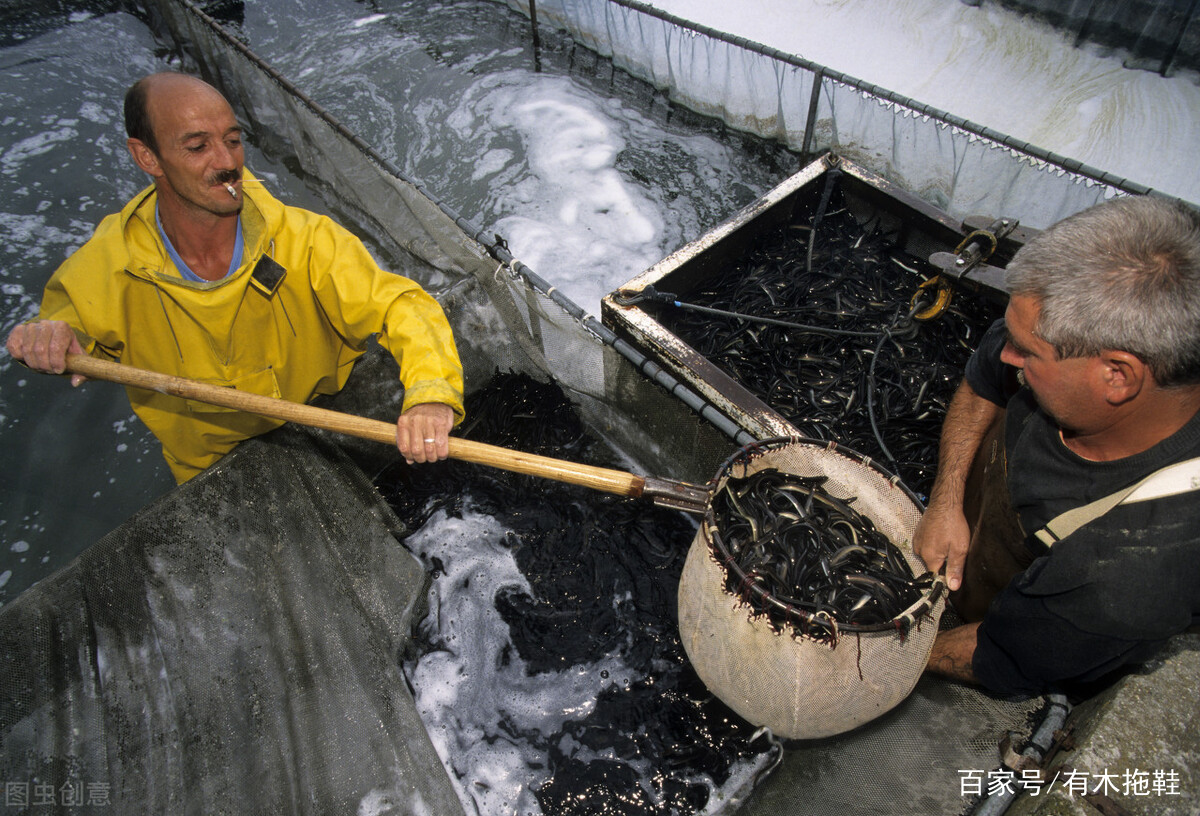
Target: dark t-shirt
1108	594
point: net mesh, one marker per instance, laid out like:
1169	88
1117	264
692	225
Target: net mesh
227	650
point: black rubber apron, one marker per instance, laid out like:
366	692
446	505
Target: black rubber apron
997	551
999	548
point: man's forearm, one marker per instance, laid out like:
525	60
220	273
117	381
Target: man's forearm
953	651
943	535
967	421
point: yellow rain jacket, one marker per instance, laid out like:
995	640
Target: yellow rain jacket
124	297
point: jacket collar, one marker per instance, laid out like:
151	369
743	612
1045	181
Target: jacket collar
262	217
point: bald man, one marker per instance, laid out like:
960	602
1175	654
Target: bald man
204	274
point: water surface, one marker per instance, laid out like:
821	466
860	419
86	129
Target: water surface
589	175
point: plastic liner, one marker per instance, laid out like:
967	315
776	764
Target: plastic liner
230	649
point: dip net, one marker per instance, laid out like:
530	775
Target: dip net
806	670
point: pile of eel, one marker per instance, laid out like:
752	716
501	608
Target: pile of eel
835	274
810	551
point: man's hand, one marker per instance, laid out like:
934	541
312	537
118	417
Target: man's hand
423	431
43	345
941	539
943	535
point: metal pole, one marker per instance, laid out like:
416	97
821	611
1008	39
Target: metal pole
537	40
813	100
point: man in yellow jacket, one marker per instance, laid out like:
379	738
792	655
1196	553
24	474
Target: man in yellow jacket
206	275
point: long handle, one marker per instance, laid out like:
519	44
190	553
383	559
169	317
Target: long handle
679	495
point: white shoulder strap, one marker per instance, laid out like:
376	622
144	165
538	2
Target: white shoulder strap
1182	477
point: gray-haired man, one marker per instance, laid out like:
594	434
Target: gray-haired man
1066	513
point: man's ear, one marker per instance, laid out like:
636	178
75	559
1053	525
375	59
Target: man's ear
144	157
1125	376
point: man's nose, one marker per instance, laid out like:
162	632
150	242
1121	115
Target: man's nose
226	157
1009	356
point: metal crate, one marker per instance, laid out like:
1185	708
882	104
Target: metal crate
952	248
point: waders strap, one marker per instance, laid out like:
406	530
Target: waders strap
1182	477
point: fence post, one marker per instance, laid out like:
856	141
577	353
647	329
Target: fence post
813	100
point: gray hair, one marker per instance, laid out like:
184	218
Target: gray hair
1122	275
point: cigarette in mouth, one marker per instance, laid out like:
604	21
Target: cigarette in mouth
232	191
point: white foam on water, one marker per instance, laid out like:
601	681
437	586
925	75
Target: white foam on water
565	209
555	158
38	241
365	21
94	112
491	163
484	711
37	144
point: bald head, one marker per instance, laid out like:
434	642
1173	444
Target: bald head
152	91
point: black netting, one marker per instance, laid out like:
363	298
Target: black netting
230	649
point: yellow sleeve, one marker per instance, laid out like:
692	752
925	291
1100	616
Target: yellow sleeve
361	300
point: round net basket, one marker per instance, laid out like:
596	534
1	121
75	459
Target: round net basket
803	674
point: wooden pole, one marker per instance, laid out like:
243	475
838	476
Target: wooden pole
609	481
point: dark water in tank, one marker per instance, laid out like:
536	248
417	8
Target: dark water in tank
589	175
549	671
